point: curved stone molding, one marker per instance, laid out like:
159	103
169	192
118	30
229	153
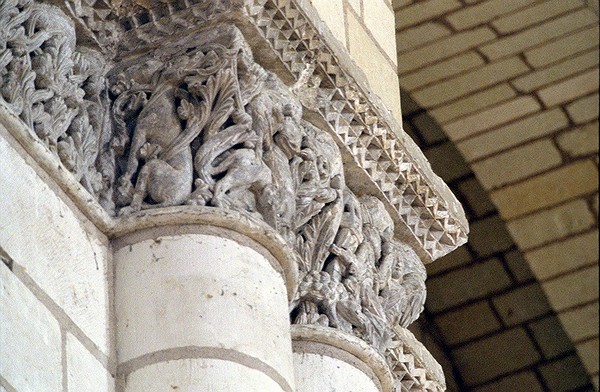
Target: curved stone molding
342	347
185	218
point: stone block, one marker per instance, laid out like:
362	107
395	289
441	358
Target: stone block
518	266
517	164
30	338
540	34
563	69
492	117
557	223
331	12
467	323
502	353
551	337
401	3
521	304
466	284
570	89
458	257
564	256
441	70
484	12
423	11
429	129
447	162
581	323
533	15
580	141
548	189
525	381
459	86
473	103
70	261
532	127
476	197
564	47
443	48
380	73
584	109
581	285
489	236
420	35
566	374
379	20
588	352
85	373
356	6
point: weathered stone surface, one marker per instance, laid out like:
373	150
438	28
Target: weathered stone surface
522	304
84	372
512	350
70	261
581	323
30	338
567	182
201	374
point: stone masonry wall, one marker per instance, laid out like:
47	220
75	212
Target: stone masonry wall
366	28
514	86
54	286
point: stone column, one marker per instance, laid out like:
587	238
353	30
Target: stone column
327	359
201	307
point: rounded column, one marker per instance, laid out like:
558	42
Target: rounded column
326	359
202	307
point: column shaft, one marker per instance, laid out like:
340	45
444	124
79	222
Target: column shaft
202	309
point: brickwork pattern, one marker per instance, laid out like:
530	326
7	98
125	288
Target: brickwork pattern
514	87
488	320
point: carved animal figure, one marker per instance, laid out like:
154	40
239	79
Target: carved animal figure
167	181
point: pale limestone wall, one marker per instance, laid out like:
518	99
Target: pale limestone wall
54	287
515	86
366	29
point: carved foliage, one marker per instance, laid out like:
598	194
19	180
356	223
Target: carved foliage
54	88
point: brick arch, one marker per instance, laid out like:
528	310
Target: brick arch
485	305
512	89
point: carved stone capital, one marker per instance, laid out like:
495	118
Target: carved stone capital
248	108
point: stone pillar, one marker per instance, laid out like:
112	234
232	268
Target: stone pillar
201	308
327	359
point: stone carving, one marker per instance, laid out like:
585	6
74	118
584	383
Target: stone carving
199	122
55	88
370	282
